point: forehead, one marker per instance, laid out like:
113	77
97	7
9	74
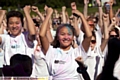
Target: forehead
65	29
90	22
14	19
112	33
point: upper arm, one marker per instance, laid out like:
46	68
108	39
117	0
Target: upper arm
86	43
45	44
0	40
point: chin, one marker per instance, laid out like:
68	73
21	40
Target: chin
15	34
66	46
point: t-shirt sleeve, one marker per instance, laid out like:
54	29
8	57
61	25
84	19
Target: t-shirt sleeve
29	43
104	52
50	53
3	37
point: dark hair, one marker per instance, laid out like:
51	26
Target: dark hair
35	22
116	31
55	42
93	34
23	60
15	14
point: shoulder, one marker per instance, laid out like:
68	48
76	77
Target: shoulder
26	40
5	36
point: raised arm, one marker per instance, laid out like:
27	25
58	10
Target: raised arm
64	15
36	10
43	31
117	13
85	9
113	23
30	23
75	20
87	31
2	15
75	25
105	32
100	22
111	14
82	69
49	34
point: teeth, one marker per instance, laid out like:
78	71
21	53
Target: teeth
65	40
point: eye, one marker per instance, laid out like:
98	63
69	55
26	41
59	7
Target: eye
17	23
70	34
62	34
10	23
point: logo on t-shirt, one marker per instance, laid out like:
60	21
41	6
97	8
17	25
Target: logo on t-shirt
59	62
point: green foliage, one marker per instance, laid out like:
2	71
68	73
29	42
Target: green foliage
55	4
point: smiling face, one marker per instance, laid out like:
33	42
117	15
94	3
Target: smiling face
65	37
15	25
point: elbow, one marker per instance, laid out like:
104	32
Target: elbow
42	34
89	36
32	33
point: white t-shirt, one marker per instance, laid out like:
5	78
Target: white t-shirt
95	62
53	32
62	64
1	57
40	68
13	45
98	34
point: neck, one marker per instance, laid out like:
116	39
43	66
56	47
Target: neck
14	35
65	48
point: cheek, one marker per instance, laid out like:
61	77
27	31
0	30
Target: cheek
19	25
68	37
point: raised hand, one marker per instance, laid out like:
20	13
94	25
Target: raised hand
119	10
45	7
55	11
79	60
49	11
27	9
113	21
35	9
110	2
63	8
76	13
86	1
2	12
2	15
105	17
98	2
73	6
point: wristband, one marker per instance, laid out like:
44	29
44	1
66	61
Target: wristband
79	70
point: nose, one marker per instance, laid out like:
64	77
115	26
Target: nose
14	25
66	37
